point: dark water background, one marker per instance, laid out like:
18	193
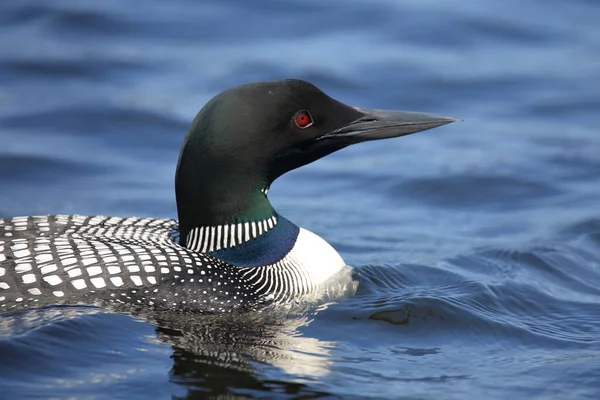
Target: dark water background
476	245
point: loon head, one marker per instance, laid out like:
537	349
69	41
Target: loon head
246	137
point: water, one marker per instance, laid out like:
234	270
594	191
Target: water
476	246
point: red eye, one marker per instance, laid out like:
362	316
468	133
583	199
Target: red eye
303	120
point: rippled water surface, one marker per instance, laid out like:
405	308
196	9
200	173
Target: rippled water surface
476	246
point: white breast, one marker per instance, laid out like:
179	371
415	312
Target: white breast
317	258
310	263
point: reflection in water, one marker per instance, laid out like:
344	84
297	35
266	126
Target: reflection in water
219	356
18	323
213	356
220	353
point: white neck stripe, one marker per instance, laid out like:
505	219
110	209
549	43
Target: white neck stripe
207	239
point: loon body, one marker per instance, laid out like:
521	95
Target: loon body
229	249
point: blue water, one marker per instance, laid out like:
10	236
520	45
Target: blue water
476	246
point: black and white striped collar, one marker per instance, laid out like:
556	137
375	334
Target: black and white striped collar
206	239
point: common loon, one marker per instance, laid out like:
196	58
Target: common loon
230	250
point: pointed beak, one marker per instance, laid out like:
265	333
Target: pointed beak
370	125
383	124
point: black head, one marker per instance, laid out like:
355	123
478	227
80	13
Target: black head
247	136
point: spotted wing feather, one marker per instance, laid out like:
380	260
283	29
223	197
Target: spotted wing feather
111	261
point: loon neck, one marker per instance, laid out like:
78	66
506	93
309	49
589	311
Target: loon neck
208	239
222	223
216	188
